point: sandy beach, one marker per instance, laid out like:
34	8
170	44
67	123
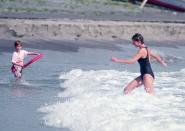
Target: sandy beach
89	29
102	20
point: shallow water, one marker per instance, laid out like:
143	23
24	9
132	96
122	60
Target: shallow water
76	87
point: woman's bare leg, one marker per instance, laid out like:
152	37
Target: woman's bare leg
148	83
133	84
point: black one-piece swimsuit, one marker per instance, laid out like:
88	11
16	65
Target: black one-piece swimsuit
145	67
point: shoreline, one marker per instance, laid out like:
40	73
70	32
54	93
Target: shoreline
90	29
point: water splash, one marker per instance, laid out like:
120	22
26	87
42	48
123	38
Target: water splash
95	102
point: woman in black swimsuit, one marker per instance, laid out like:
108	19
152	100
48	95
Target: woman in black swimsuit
143	57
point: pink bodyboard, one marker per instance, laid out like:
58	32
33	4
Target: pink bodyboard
33	60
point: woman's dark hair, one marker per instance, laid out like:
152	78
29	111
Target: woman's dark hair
138	37
17	43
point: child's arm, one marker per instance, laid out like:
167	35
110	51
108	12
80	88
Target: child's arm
33	53
18	63
158	58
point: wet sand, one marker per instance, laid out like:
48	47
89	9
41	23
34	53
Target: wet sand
138	15
73	20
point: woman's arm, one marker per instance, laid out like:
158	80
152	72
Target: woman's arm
158	58
129	61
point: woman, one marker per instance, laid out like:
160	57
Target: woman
143	57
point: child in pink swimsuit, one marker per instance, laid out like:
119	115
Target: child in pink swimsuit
17	59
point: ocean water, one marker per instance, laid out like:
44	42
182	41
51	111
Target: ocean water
76	87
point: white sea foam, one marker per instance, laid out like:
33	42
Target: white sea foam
96	103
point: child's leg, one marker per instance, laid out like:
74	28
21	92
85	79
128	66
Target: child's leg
133	84
18	71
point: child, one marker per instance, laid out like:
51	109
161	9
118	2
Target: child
17	59
143	57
